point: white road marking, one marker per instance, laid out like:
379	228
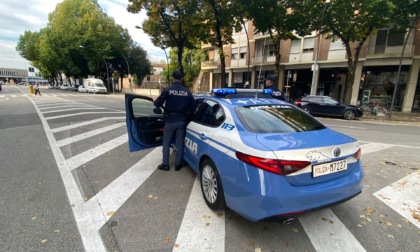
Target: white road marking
91	133
84	157
346	127
112	197
403	197
374	147
77	125
328	233
85	218
201	229
73	106
71	109
84	113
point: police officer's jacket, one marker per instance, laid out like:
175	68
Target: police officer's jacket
276	93
179	102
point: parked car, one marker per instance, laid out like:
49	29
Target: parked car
326	106
82	89
261	157
64	87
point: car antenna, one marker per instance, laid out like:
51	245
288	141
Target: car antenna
259	74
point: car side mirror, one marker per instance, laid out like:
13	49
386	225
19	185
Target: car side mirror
158	111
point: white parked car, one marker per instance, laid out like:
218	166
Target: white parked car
82	89
64	87
97	88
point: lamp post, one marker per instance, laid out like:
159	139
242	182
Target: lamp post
128	68
314	85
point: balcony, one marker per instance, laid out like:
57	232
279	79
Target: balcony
389	51
210	64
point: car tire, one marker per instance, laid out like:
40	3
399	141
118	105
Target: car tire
211	186
349	115
307	109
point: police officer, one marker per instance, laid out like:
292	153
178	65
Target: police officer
179	103
269	84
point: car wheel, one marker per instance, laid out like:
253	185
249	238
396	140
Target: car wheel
349	115
307	109
211	187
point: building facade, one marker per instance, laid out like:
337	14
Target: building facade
15	76
252	58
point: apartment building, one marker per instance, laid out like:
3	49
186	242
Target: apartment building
252	58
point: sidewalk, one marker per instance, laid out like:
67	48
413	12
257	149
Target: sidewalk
412	118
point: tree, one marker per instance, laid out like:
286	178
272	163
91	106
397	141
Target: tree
192	64
218	28
171	23
141	65
353	22
79	39
280	19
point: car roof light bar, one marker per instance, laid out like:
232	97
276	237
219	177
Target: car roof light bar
224	92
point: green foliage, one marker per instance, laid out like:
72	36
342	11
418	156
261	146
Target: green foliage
80	39
171	24
192	64
141	65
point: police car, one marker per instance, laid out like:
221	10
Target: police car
261	157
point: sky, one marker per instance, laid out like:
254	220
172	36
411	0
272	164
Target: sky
16	17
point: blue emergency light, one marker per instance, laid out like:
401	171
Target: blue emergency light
225	92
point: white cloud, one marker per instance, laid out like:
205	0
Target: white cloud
20	16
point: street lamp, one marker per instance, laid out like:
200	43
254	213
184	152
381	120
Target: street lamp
128	68
106	65
314	85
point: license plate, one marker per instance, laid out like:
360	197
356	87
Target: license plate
328	168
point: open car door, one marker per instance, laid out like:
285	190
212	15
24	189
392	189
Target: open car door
144	126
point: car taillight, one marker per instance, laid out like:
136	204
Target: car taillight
280	167
358	154
297	103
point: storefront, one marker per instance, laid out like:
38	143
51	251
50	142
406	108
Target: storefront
377	86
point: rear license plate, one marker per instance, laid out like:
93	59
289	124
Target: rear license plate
328	168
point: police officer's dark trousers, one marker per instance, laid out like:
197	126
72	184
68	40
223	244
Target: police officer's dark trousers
179	128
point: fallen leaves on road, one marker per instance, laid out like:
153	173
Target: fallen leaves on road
110	213
152	197
166	239
369	211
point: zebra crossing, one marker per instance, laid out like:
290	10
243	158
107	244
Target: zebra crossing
6	97
200	229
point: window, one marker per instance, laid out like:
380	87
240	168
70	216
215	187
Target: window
336	45
210	113
270	50
276	119
308	44
242	52
388	38
295	47
235	54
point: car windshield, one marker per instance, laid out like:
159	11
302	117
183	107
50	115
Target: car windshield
276	119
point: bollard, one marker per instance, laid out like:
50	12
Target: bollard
31	89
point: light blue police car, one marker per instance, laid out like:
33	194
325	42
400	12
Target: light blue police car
263	158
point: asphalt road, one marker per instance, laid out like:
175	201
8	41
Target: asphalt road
69	183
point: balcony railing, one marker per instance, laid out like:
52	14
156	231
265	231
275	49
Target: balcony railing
210	64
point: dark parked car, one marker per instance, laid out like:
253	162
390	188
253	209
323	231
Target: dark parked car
326	106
